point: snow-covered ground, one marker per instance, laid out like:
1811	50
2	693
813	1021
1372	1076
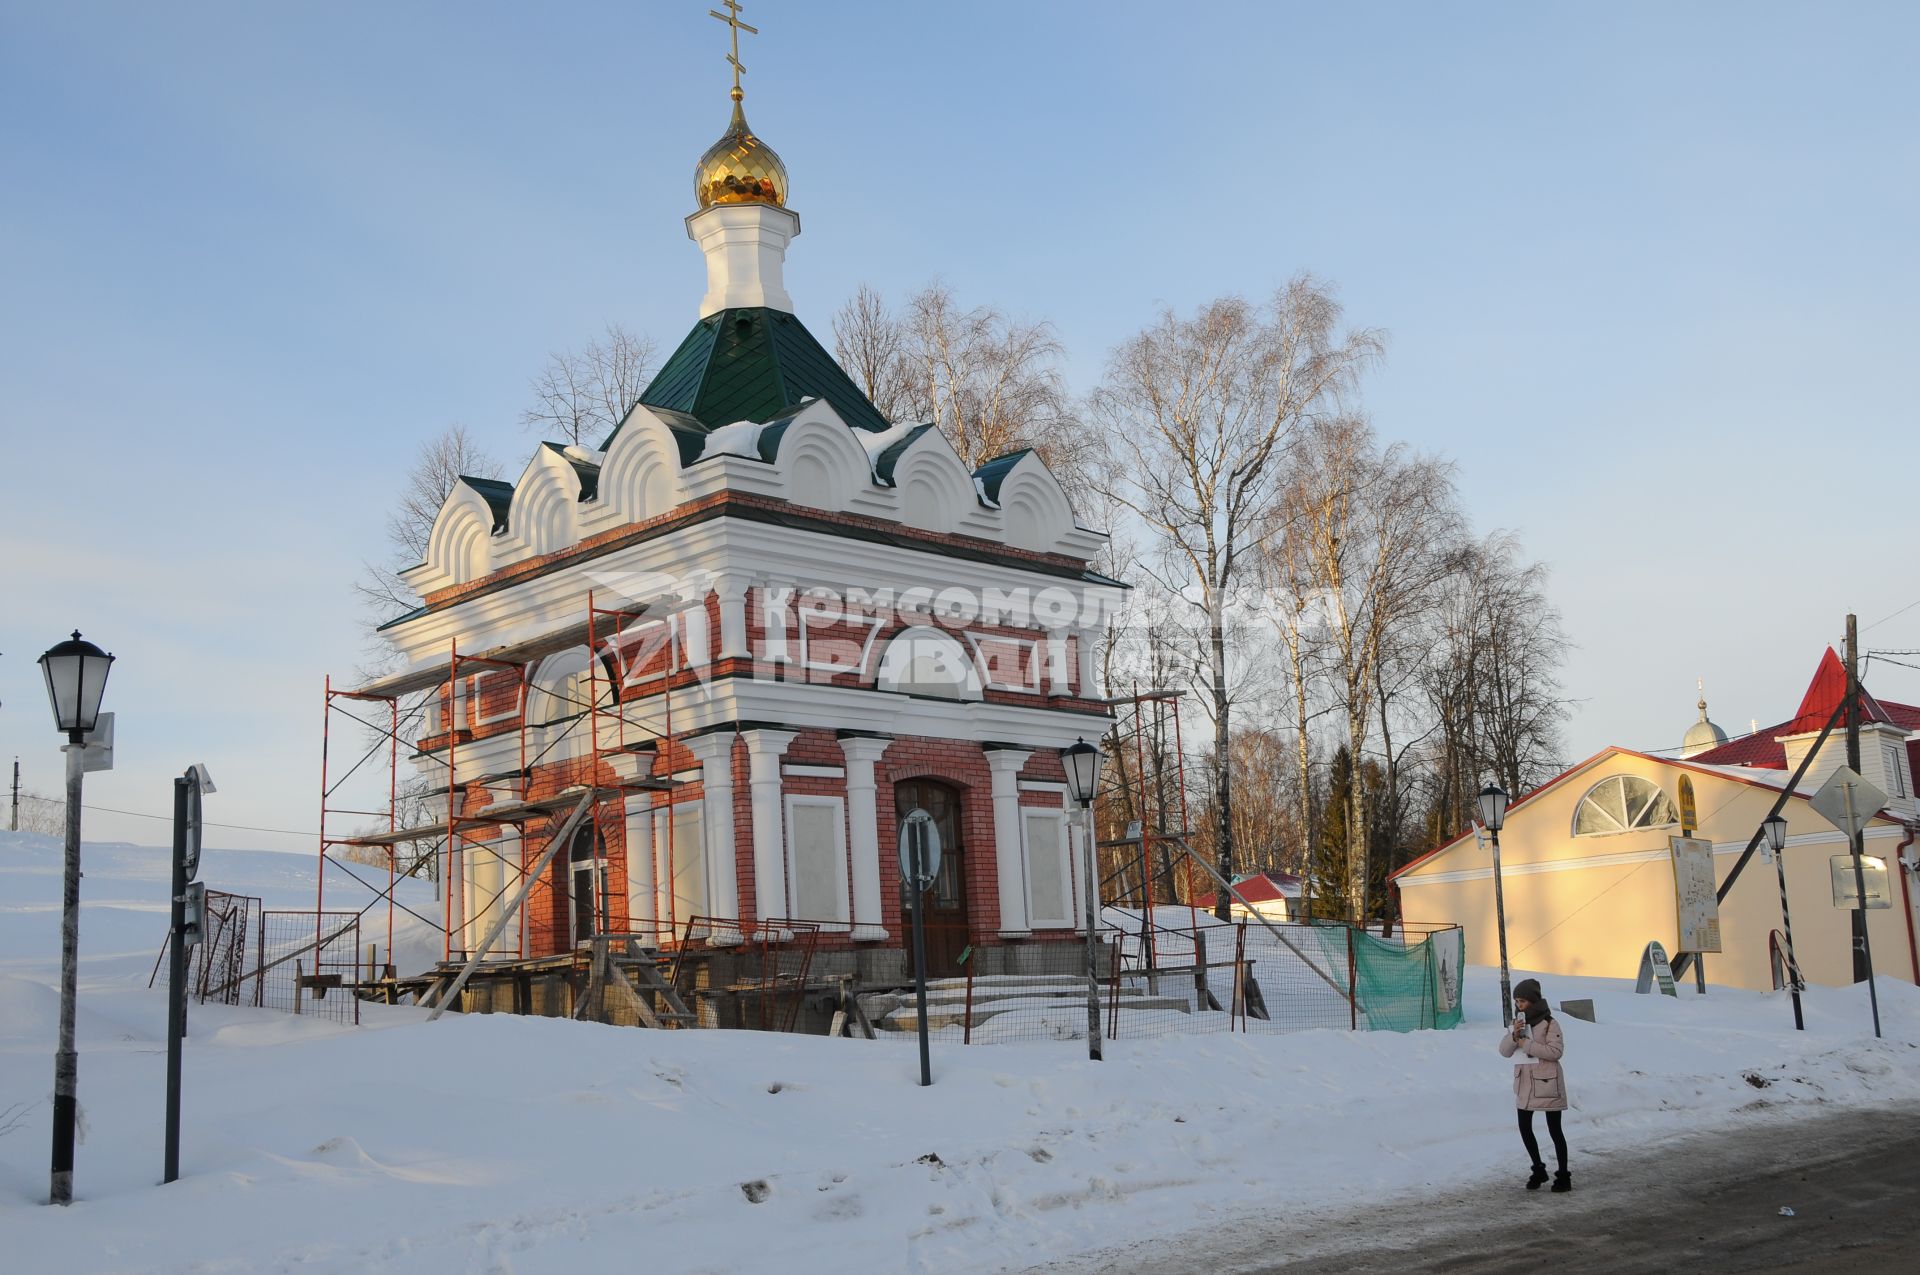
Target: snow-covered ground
491	1143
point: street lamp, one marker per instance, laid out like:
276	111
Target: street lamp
1493	813
1776	830
1083	762
76	672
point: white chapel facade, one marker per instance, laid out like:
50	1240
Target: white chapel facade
822	619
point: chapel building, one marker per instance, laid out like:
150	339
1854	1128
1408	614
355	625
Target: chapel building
752	630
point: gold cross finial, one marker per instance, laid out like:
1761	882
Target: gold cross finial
732	18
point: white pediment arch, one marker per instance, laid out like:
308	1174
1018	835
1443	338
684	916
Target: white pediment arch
459	547
820	464
640	477
1038	513
936	490
545	513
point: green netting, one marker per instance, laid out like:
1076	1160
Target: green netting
1402	984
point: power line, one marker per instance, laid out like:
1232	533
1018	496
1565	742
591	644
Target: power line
1902	611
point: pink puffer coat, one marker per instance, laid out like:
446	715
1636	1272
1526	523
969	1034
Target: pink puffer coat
1537	1082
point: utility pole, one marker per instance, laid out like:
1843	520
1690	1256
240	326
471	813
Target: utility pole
13	823
1856	846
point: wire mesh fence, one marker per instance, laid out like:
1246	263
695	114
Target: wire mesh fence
1154	980
290	975
758	976
216	966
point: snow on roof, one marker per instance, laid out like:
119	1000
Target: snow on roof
742	438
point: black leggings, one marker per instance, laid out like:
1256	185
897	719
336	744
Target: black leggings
1553	1131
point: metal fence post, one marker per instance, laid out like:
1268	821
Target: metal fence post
1353	986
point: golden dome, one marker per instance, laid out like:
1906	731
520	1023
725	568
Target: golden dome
740	168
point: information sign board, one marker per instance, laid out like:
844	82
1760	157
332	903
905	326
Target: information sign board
1695	896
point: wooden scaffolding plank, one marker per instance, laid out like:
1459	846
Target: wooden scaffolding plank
525	651
505	812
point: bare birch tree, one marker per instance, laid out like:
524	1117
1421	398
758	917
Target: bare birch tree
990	382
581	395
1378	530
1491	681
441	461
1197	413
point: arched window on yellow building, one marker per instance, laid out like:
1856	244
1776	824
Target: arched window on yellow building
1622	803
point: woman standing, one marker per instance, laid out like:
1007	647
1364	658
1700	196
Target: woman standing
1538	1084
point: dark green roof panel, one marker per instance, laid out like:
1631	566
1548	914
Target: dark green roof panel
995	471
753	364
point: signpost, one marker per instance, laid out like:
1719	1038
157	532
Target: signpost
1689	809
919	865
1653	965
1847	802
189	922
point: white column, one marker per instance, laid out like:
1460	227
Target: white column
863	832
732	590
764	750
1085	642
1058	676
715	753
696	643
1077	863
776	602
642	895
1008	853
663	849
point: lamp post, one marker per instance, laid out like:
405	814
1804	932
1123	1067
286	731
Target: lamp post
76	673
1776	829
1493	813
1083	762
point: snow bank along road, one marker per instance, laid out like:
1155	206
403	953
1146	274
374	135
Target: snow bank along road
491	1143
1707	1204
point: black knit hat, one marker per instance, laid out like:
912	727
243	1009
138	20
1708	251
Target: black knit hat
1528	988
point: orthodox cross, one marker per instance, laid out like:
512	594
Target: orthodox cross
732	18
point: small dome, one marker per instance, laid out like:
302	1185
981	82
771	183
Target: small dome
1703	734
740	169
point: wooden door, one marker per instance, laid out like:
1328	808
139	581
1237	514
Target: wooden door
587	863
946	901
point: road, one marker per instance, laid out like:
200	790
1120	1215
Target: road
1704	1204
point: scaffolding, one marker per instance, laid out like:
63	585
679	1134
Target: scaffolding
468	698
1152	807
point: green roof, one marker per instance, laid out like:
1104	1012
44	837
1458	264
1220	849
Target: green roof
754	364
995	471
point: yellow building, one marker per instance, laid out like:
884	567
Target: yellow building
1588	875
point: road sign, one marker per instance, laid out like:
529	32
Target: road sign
1847	801
1653	965
920	823
1689	820
1846	892
1694	894
98	751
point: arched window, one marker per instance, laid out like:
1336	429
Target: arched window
1622	803
925	661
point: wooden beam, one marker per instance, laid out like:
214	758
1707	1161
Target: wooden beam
560	838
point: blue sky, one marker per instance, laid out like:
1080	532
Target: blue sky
1650	276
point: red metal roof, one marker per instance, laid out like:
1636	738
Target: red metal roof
1824	693
1261	887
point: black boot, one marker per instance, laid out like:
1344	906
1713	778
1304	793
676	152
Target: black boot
1539	1176
1563	1181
